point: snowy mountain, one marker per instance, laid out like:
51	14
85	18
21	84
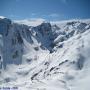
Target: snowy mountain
50	55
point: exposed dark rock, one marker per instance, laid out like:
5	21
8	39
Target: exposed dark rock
52	69
34	76
80	62
29	60
15	55
36	48
63	62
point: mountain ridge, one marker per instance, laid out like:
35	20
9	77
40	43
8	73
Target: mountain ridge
44	57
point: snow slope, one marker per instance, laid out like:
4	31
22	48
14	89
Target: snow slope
48	56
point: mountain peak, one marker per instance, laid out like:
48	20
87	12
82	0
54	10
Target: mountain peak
2	17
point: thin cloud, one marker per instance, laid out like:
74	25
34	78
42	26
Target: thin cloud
54	15
31	21
33	14
13	16
64	1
